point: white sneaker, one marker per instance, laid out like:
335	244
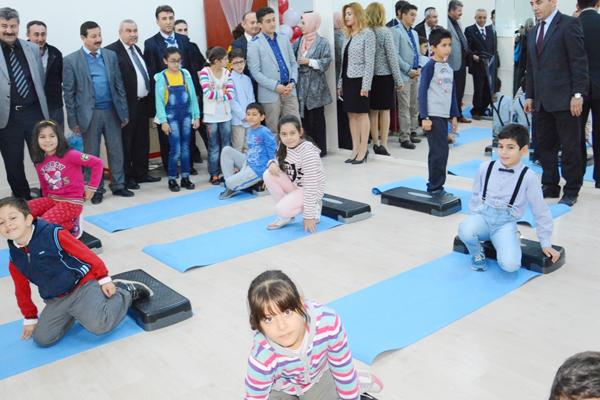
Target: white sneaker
280	222
369	382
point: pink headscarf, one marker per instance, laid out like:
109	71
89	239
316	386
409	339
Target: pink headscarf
312	22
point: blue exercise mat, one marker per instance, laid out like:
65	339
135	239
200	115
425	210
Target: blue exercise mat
22	355
466	169
4	263
161	210
230	242
401	310
556	210
470	135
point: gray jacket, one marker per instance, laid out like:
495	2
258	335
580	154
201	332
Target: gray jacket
455	58
264	68
32	54
79	89
405	49
361	57
313	91
386	58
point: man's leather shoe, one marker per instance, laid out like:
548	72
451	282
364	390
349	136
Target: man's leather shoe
568	199
464	120
476	117
413	138
123	193
133	185
598	185
407	144
97	198
148	179
550	193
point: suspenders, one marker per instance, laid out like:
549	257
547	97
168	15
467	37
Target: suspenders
517	186
498	109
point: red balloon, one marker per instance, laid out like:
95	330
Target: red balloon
283	6
297	32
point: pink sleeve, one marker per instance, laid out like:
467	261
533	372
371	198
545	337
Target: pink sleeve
43	183
88	161
229	89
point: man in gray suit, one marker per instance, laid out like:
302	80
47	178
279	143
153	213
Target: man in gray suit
460	54
96	103
22	98
273	65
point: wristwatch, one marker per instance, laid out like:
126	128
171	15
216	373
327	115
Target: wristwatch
577	95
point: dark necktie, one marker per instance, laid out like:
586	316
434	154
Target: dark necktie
483	33
18	74
171	41
540	39
509	170
94	54
138	64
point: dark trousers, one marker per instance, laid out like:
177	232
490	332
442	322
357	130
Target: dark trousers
481	94
594	107
136	142
560	131
344	138
460	79
58	115
313	124
13	137
437	159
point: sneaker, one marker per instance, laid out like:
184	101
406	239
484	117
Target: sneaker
280	222
226	194
478	263
77	231
137	290
369	382
173	186
186	183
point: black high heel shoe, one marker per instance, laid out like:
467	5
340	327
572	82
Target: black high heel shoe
351	160
364	160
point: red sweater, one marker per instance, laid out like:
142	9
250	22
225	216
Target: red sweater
70	245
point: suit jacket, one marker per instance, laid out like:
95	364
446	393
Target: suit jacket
79	89
590	21
484	48
242	44
361	57
36	69
405	49
392	22
561	69
128	72
455	60
313	91
54	78
420	28
264	68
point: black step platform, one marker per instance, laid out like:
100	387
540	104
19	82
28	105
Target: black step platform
533	258
422	201
166	307
344	210
92	242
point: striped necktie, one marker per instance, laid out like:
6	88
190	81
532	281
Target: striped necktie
171	42
18	74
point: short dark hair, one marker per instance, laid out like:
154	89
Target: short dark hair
407	8
262	12
36	153
18	203
256	106
180	21
171	50
427	9
8	13
35	22
454	4
493	12
216	53
586	3
578	378
516	132
86	26
422	40
164	8
438	34
399	5
236	52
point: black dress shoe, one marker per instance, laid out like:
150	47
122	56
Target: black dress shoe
464	120
173	186
597	185
186	183
193	171
383	151
407	144
413	138
123	193
376	149
349	160
476	117
97	198
568	199
550	193
148	179
133	185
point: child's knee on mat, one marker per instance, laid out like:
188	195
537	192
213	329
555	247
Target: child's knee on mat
42	339
509	264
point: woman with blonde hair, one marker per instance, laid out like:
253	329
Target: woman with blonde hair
386	78
354	83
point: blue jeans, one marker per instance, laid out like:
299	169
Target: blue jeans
497	225
219	136
179	144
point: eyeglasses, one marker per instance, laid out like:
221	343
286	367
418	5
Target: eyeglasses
174	61
238	62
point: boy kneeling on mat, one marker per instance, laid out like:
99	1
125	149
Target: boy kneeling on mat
73	282
501	193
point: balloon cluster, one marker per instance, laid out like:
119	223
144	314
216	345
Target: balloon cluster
288	21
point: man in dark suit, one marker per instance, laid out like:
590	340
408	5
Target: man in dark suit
460	57
154	52
430	21
136	143
481	42
557	78
395	21
52	61
251	29
590	21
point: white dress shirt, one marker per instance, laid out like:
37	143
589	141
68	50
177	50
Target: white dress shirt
141	86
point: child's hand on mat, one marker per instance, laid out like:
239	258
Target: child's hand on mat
27	331
550	252
426	125
165	128
89	194
196	124
310	225
274	169
108	289
454	125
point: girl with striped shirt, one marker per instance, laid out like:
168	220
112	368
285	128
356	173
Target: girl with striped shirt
300	347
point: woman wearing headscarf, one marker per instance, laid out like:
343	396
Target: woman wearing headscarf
314	56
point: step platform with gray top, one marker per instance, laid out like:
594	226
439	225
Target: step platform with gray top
344	210
533	257
92	242
439	205
166	307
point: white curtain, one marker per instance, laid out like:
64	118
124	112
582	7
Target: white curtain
234	10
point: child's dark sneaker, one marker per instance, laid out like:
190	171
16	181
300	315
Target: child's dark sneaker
173	186
186	183
136	289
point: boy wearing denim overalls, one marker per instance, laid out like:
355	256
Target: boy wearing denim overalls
177	112
501	193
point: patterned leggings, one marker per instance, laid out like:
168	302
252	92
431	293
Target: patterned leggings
57	212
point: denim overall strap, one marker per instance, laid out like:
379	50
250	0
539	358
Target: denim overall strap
178	98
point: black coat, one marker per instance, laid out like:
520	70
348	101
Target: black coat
561	69
420	28
127	70
54	78
484	48
590	21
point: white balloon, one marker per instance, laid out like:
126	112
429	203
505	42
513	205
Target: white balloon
291	17
286	30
